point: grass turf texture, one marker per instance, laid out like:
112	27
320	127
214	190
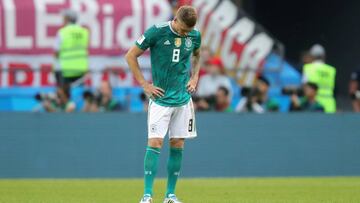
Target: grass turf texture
239	190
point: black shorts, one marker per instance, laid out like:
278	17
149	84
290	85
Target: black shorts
66	81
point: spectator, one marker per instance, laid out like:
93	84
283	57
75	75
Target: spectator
223	100
354	90
71	50
256	99
61	102
206	54
323	75
215	78
102	101
308	102
210	83
107	103
90	102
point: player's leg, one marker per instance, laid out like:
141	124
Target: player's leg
174	163
182	126
151	164
158	122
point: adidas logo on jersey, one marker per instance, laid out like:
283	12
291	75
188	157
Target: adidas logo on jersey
167	42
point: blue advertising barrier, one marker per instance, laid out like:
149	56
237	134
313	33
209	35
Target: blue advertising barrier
228	145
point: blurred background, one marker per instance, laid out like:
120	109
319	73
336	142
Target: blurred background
257	57
253	55
301	24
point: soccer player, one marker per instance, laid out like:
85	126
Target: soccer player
172	46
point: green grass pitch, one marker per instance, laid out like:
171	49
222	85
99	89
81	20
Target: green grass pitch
237	190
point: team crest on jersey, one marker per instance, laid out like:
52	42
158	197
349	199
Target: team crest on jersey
188	42
177	42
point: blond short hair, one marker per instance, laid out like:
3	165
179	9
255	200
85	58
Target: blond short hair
188	15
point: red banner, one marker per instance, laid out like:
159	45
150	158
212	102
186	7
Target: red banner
28	30
30	26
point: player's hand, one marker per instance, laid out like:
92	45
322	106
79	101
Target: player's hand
153	91
191	86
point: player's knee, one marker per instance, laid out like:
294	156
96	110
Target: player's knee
177	143
156	143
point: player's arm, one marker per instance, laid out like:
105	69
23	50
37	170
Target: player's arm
191	86
196	64
132	59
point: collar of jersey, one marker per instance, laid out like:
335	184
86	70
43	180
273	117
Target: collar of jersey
173	31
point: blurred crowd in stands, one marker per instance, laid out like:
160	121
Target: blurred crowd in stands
214	93
215	88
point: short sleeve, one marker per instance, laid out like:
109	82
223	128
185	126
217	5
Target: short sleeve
197	44
147	39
